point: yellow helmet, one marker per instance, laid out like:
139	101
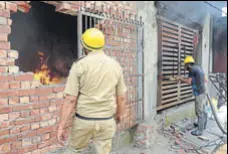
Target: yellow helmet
189	59
93	39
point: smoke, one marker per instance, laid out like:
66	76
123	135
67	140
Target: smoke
189	13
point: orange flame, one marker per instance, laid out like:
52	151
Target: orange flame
43	73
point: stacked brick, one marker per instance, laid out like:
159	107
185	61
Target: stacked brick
121	45
29	111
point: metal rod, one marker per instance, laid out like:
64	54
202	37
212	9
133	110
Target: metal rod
90	22
105	17
79	28
86	22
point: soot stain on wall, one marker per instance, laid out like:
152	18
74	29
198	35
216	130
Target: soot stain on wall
47	31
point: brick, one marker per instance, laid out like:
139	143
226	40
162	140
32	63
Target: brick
14	115
27	149
4	85
43	111
44	150
9	22
43	104
59	95
3	37
46	117
45	98
3	61
24	100
35	152
5	148
52	122
4	101
62	7
27	135
4	133
34	98
35	84
4	110
24	121
35	112
13	100
11	6
52	108
25	128
5	124
43	91
7	93
4	13
25	7
15	131
8	139
47	129
25	114
4	117
17	144
13	54
5	29
54	133
35	126
26	142
2	5
10	61
14	85
36	139
46	137
25	92
4	78
24	77
13	69
3	69
44	124
47	143
25	85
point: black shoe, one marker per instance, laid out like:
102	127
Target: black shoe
196	125
197	133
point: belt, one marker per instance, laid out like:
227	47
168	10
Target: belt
86	118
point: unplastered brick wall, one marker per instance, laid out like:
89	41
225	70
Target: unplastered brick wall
29	111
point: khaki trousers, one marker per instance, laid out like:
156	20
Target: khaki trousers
200	107
101	132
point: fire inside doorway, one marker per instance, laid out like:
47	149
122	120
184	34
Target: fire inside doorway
46	40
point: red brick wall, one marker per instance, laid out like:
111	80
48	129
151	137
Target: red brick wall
29	111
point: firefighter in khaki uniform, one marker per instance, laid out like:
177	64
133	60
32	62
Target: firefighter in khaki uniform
95	88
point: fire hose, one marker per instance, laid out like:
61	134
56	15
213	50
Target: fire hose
215	116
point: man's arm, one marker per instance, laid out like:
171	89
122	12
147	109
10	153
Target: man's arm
121	97
185	80
120	107
70	101
67	110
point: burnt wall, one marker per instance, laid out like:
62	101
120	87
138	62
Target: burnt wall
47	31
220	45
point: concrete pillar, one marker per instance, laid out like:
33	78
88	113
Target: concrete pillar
206	45
147	10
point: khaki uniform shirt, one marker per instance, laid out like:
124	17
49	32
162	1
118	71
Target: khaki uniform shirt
96	80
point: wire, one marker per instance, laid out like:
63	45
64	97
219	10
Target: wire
215	7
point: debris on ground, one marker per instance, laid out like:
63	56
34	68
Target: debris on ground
185	143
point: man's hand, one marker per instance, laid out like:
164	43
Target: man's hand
61	136
178	78
118	118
